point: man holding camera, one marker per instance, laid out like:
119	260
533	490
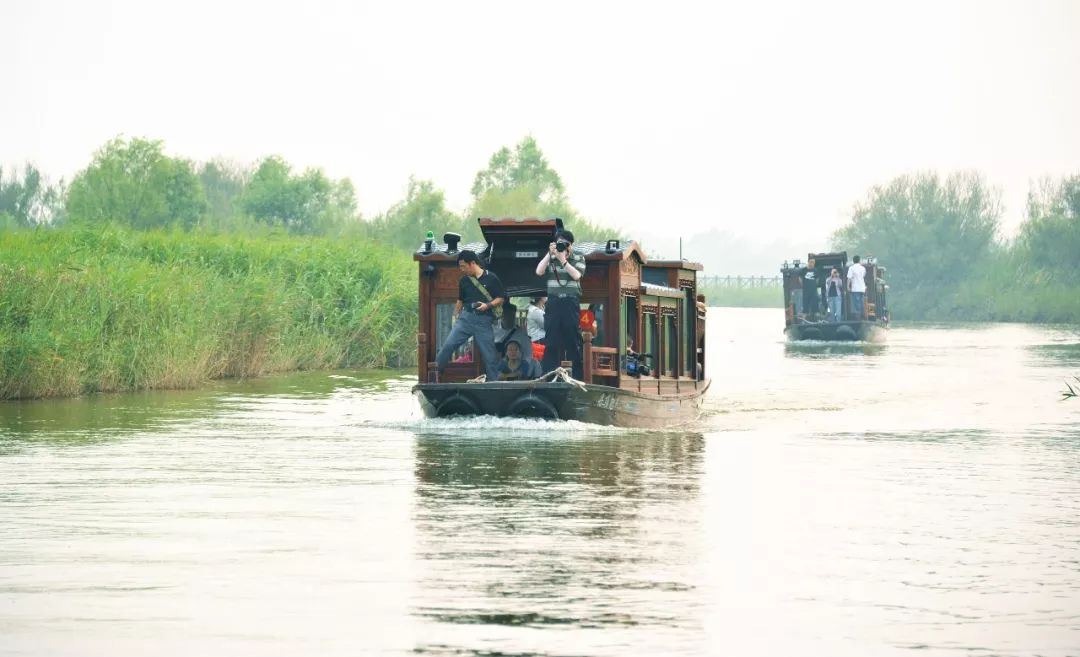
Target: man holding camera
563	269
480	292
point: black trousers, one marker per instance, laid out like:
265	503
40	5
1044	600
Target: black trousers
561	339
810	300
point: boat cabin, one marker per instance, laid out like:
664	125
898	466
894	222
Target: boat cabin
645	306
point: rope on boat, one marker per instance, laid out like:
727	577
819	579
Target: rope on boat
561	374
557	374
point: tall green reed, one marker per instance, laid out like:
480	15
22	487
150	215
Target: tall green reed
109	309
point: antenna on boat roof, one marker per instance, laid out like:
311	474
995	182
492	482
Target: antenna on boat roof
680	248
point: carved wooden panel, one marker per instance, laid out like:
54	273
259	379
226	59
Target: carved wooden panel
605	361
630	273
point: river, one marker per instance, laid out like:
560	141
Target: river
920	497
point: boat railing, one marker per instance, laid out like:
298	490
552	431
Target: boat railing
598	361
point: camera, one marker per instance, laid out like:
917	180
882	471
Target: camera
636	364
560	246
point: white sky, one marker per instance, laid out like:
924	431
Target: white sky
762	118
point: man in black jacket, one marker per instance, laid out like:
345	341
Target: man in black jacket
810	292
479	292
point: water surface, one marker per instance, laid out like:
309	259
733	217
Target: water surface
918	496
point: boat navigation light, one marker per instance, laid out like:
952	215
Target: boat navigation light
429	238
612	246
796	262
785	265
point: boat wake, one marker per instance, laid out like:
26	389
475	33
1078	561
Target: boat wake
486	426
839	344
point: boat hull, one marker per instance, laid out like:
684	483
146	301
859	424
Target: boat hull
595	404
847	331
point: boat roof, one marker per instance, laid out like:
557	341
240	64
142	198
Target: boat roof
509	227
661	290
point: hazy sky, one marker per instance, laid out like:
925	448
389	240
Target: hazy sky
762	118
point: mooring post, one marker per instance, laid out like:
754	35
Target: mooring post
586	355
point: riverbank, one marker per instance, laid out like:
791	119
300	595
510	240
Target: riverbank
990	301
753	297
111	309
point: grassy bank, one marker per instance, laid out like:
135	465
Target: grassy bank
1002	288
987	301
85	311
755	297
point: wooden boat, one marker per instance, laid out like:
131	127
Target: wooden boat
636	301
867	324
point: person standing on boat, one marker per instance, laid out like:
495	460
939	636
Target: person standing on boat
856	276
563	270
535	319
480	292
834	294
810	290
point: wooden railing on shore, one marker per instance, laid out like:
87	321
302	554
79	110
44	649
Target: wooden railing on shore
741	282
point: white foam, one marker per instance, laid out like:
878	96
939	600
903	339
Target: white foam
488	425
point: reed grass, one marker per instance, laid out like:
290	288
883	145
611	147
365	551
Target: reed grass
1004	288
110	309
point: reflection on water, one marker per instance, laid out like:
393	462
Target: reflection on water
817	349
105	417
556	531
835	499
1054	354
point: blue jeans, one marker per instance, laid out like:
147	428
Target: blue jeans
478	327
857	305
834	307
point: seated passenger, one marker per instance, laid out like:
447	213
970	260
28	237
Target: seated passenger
516	367
466	356
508	330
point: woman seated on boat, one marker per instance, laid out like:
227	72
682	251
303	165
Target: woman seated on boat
508	330
516	366
466	353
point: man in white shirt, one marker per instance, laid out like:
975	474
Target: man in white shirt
856	276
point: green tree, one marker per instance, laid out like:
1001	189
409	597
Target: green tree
927	230
423	209
134	183
521	183
306	203
223	183
524	168
28	199
1049	239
